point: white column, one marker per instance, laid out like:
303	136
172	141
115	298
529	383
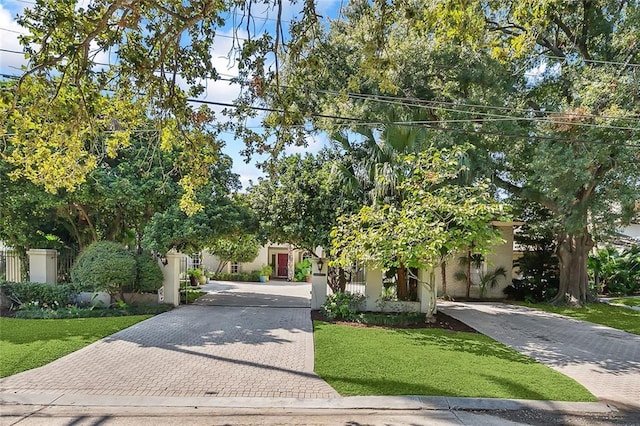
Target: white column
319	283
14	266
426	295
43	266
373	288
171	273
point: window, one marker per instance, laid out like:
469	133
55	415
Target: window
235	268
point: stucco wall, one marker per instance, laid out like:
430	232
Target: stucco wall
211	262
500	255
633	231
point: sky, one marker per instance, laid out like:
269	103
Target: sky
217	91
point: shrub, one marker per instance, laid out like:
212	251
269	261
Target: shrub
531	291
37	294
342	306
254	276
302	269
104	266
540	277
148	274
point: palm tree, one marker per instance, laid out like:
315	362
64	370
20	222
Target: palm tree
485	278
373	167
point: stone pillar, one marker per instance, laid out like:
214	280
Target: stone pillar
14	266
171	282
319	283
43	266
373	288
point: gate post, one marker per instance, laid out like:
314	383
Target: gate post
319	284
43	266
171	273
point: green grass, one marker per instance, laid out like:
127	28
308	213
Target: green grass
377	361
629	301
600	313
193	294
31	343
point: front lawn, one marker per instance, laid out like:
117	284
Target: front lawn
31	343
377	361
629	301
600	313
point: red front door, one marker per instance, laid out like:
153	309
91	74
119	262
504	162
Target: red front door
283	261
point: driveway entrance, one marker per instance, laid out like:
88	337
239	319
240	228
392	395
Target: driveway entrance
235	342
274	294
604	360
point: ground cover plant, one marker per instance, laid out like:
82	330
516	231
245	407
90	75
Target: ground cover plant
190	294
600	313
382	361
31	343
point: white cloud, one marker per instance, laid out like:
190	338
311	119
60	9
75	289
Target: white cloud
315	143
10	63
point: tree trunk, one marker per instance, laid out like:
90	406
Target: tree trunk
443	274
468	274
573	252
401	284
342	279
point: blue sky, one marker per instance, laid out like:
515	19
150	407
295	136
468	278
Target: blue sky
220	91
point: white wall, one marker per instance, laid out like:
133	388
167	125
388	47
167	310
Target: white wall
632	230
211	262
500	255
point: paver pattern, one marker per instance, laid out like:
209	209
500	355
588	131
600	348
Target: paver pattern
195	350
604	360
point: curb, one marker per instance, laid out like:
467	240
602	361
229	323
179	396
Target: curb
347	403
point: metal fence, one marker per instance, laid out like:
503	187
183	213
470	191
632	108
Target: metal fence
66	258
13	266
3	264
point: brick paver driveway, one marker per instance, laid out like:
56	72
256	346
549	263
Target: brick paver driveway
242	340
604	360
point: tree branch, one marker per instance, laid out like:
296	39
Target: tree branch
525	193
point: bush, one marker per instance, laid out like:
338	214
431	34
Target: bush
531	291
254	276
148	274
342	306
540	277
104	266
40	295
302	269
78	312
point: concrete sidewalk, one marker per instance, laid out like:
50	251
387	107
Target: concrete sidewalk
68	409
604	360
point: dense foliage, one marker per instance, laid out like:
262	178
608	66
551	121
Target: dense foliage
39	295
109	266
343	306
616	272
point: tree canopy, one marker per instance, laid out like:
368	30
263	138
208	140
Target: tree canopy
547	91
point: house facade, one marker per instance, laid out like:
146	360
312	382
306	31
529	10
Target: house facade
281	257
499	256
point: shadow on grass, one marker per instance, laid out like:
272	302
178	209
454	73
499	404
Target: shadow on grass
23	331
353	386
475	344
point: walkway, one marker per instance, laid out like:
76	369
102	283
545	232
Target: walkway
258	343
604	360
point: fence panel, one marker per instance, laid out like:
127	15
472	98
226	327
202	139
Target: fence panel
66	257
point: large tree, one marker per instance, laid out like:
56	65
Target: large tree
156	55
435	220
546	90
299	202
